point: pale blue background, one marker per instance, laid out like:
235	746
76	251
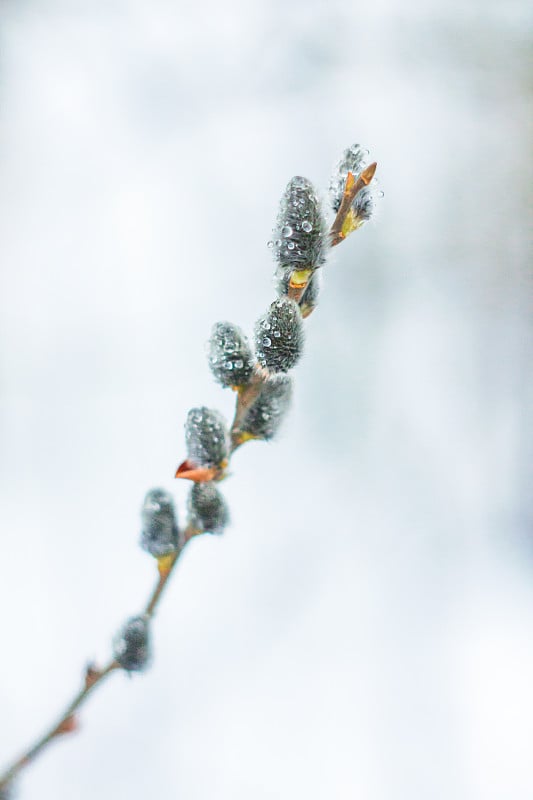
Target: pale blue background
364	629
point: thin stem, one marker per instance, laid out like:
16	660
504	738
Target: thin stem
158	590
245	398
166	567
65	724
93	677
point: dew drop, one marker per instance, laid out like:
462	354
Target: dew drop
228	365
277	334
286	231
239	364
266	341
290	245
381	193
270	244
306	226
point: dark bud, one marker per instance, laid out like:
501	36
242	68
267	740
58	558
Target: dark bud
300	238
230	356
208	512
206	437
279	336
264	417
131	645
309	299
159	535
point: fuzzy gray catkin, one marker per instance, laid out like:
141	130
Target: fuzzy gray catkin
131	646
208	511
279	337
159	533
300	240
352	160
264	417
206	437
230	355
364	203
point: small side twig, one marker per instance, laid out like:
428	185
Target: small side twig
66	723
352	189
94	677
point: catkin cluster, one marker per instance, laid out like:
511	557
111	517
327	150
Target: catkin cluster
258	371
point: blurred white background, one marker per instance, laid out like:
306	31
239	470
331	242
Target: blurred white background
364	628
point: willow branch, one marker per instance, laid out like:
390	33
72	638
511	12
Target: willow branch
246	396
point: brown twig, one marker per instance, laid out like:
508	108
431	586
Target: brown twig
246	396
65	724
351	190
93	677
